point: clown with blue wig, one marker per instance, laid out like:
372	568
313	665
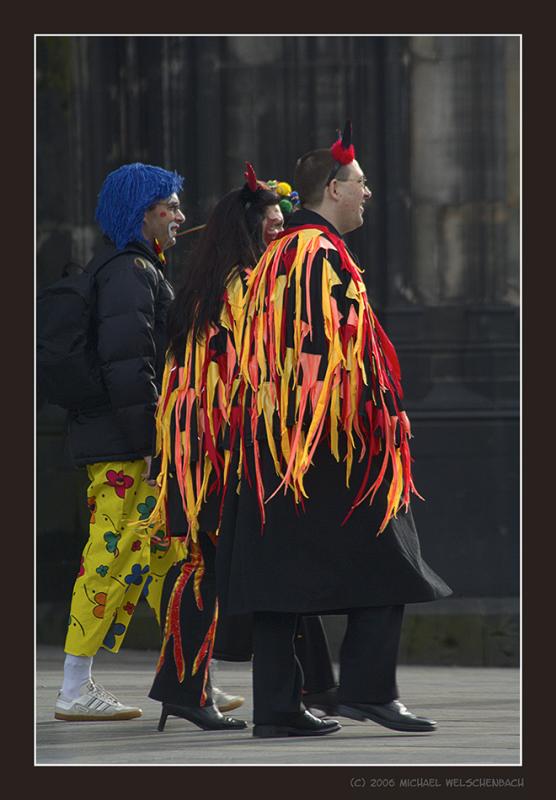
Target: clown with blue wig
111	433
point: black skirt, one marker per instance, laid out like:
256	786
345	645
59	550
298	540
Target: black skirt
306	561
176	521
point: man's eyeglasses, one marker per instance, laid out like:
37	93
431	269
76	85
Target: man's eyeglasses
361	181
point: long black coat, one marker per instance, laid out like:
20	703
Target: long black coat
132	301
306	561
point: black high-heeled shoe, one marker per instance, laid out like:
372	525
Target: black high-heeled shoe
208	718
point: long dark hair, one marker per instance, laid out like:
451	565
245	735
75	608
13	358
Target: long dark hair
231	240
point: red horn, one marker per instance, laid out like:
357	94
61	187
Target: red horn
342	150
346	136
250	177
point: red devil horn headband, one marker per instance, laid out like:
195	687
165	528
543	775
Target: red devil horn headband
250	177
342	150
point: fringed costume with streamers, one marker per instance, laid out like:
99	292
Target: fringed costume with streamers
322	373
192	419
322	473
198	398
191	615
316	515
191	500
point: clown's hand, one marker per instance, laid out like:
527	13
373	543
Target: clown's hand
146	475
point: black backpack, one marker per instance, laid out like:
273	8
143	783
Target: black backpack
68	372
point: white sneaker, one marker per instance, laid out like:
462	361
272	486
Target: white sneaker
226	702
94	704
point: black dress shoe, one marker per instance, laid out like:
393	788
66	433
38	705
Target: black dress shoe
392	715
326	701
208	718
304	725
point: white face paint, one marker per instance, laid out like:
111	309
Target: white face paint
172	230
156	224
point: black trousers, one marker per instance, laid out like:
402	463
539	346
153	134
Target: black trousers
234	640
368	658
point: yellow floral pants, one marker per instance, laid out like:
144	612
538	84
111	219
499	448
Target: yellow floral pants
120	563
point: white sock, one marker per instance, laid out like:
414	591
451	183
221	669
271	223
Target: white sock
77	670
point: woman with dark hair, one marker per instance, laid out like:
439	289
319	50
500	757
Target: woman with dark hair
199	395
200	377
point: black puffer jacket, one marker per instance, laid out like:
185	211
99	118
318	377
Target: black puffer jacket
132	301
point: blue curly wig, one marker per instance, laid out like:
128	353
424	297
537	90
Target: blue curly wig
126	194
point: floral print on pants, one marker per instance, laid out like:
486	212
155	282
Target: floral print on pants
120	563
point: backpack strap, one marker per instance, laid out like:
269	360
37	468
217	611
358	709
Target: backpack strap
99	261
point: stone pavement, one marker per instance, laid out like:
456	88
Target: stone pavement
477	710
